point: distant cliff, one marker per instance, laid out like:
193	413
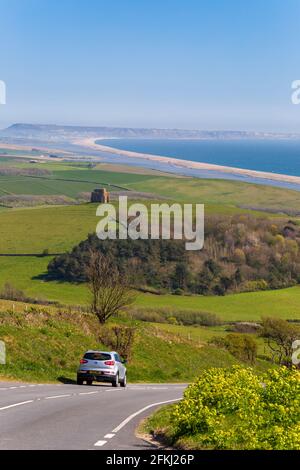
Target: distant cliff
56	133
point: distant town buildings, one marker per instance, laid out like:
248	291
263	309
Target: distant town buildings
100	195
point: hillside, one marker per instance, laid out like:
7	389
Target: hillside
46	344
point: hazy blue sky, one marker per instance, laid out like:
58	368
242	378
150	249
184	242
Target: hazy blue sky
214	64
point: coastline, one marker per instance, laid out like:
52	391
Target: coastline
26	148
179	163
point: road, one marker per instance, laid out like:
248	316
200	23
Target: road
67	416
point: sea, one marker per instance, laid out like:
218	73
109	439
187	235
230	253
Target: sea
274	156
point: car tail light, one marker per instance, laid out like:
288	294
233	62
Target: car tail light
109	363
83	361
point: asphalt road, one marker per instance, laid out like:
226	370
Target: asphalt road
59	416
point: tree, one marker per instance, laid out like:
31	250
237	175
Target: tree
280	335
181	276
109	288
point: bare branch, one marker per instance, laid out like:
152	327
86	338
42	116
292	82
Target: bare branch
109	289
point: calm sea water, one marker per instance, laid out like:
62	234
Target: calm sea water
277	156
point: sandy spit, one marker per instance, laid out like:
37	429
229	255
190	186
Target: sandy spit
91	144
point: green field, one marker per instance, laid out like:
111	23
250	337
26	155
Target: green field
58	229
221	196
222	192
283	303
24	274
65	180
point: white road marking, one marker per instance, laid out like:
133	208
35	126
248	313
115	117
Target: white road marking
11	388
136	388
58	396
100	443
108	436
16	404
127	420
87	393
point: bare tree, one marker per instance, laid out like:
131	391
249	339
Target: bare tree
109	288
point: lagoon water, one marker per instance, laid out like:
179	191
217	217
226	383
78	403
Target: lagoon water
276	156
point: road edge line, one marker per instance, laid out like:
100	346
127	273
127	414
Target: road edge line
16	404
133	415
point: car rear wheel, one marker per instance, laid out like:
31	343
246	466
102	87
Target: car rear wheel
124	382
89	382
115	383
79	381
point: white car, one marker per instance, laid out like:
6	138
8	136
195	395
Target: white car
102	366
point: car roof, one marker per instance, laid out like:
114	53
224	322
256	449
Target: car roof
97	351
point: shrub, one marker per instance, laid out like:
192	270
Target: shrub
148	315
254	286
118	338
184	317
9	292
236	409
192	317
172	320
241	346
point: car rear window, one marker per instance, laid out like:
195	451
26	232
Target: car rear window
97	356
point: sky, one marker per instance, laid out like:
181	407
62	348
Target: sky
194	64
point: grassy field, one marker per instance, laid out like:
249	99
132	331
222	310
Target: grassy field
69	180
57	229
221	196
283	303
222	192
24	274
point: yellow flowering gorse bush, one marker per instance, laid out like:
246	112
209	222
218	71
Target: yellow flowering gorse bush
237	409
